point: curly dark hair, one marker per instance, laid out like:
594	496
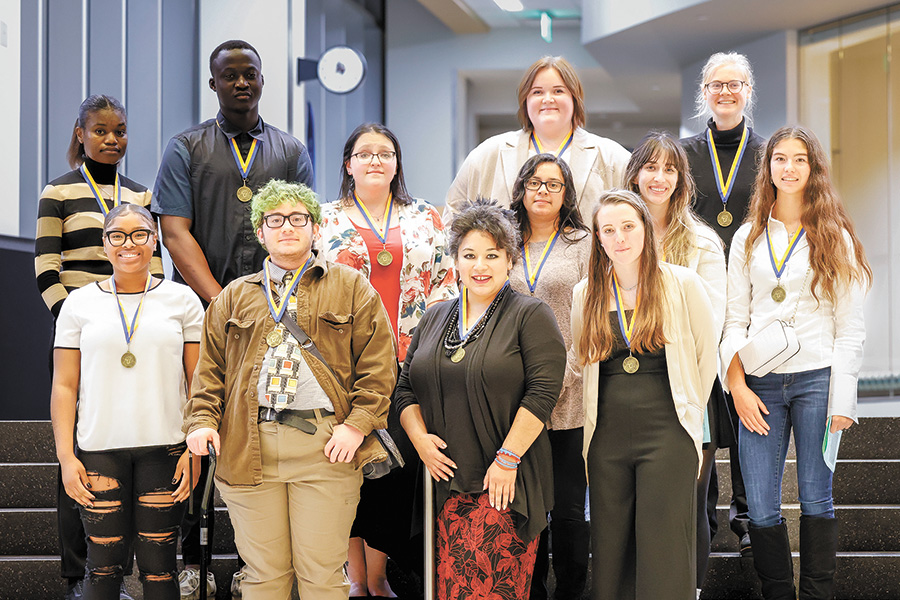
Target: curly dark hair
487	216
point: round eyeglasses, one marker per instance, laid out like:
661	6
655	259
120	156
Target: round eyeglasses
138	237
734	86
553	186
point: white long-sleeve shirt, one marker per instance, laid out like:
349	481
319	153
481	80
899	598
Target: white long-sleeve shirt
830	334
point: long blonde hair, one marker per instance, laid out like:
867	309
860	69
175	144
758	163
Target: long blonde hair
597	338
824	218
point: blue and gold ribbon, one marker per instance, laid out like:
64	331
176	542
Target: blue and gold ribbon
533	273
243	164
95	189
382	233
536	143
626	327
276	309
725	185
779	265
464	328
129	329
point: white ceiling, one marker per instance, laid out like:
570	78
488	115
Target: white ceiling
494	16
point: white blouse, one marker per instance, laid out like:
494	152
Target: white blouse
830	334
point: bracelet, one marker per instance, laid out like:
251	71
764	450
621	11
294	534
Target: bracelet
509	453
505	464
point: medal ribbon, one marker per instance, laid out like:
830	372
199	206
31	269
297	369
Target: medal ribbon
562	147
129	330
463	319
725	186
276	309
779	265
627	328
95	189
243	165
382	233
532	274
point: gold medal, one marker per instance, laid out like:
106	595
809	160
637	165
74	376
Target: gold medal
274	338
128	360
384	258
630	365
724	218
244	194
779	293
458	354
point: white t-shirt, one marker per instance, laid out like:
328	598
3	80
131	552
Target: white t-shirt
141	406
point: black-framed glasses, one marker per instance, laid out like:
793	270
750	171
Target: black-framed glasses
734	86
367	157
553	186
296	219
139	237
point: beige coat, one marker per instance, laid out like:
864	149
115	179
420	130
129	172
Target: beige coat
693	337
490	170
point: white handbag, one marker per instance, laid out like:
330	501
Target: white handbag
774	344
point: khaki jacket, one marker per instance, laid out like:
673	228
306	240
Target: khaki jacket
343	315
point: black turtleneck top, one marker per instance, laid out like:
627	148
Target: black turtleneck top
707	202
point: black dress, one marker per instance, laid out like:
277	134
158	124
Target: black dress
642	468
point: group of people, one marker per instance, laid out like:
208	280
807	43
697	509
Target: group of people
567	330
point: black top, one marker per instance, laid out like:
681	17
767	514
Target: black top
707	202
518	361
198	179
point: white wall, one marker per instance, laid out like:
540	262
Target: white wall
424	60
10	54
265	25
605	17
774	60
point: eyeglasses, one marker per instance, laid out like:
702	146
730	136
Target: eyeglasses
553	186
383	157
716	87
138	237
296	219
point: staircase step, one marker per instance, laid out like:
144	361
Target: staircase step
28	485
27	442
862	528
37	577
860	576
856	481
33	531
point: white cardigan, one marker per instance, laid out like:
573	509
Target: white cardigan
692	343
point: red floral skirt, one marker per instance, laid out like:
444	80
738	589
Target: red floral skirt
480	556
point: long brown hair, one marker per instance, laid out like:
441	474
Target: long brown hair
824	218
680	242
597	338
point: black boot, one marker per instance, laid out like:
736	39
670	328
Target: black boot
818	550
772	559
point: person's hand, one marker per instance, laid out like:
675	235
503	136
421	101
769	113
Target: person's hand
343	443
430	449
750	409
75	480
839	423
199	439
500	484
182	473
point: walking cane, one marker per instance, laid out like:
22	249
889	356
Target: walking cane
429	536
204	517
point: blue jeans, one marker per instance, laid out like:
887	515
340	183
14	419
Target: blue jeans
798	401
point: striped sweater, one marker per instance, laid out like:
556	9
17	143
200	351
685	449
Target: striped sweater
68	249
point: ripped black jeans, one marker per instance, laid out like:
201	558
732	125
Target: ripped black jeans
133	499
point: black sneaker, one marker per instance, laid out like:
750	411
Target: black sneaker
746	547
75	591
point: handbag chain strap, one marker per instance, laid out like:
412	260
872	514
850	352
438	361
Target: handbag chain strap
802	287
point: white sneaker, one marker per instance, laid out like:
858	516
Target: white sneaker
236	580
189	584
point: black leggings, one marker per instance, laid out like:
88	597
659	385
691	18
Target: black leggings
133	504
